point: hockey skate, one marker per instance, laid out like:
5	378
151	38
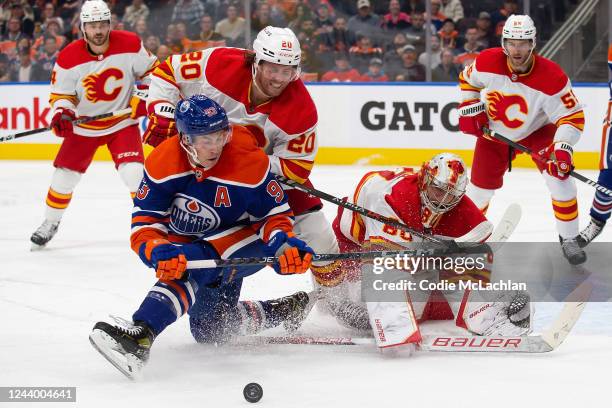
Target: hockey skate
572	250
590	232
292	310
124	345
43	234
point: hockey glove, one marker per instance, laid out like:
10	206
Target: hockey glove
473	117
161	124
138	101
293	254
557	159
168	260
61	123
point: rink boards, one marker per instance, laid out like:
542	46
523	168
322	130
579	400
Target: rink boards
377	124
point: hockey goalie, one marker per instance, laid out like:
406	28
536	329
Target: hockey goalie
431	202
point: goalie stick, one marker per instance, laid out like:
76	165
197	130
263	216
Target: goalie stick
549	340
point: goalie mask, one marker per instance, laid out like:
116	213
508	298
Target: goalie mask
204	129
442	182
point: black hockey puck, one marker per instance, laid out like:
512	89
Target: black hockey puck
252	392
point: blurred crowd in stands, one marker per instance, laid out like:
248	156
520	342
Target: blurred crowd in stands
342	40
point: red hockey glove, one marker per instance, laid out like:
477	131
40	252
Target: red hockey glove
473	117
138	101
61	123
557	159
161	124
293	254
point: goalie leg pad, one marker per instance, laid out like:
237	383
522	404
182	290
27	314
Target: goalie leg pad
506	314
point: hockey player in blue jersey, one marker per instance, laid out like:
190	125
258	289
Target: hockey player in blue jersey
207	193
602	203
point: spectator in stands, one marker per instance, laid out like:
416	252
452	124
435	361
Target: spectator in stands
53	27
343	72
452	9
13	30
261	18
163	52
375	72
207	38
365	22
339	39
134	12
448	34
141	28
447	70
68	11
324	21
173	39
499	17
362	53
5	73
437	17
189	11
25	17
434	56
392	58
470	48
232	27
395	20
302	12
416	33
116	23
486	37
414	5
47	12
152	43
45	59
23	71
411	70
311	66
305	34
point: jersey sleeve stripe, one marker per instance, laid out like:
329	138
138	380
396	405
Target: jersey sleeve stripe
297	170
53	98
574	119
164	71
465	85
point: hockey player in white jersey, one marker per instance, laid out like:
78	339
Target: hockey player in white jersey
92	76
261	90
528	99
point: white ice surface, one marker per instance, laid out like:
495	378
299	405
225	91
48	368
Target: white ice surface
49	301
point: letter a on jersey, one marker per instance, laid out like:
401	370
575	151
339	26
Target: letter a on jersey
222	198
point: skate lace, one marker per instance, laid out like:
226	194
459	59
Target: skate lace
127	326
591	231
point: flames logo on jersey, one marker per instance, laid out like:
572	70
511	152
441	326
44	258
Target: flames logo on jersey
95	85
498	105
190	216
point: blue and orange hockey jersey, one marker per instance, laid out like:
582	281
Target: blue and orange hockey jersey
230	205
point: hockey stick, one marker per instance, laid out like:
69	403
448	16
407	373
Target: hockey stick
78	121
358	209
549	340
527	150
504	229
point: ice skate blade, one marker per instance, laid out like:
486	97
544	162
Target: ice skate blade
128	364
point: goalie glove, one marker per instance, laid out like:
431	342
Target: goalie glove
161	124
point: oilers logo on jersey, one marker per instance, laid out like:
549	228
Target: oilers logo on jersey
190	216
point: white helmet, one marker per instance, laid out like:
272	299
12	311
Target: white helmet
94	10
442	182
519	27
277	45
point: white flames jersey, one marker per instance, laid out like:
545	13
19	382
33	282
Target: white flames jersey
284	126
92	85
519	104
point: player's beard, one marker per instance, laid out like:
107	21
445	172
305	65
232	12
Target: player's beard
98	40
